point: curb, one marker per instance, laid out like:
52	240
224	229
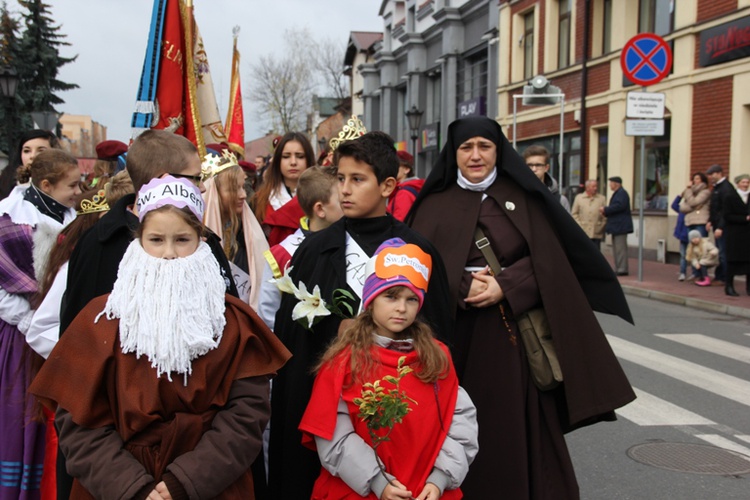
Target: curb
672	298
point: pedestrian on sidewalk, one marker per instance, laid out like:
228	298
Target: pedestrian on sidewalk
586	212
702	255
722	188
619	223
737	233
695	203
681	233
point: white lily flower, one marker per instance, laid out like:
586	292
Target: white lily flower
285	283
310	305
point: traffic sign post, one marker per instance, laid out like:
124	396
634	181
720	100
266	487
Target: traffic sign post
645	60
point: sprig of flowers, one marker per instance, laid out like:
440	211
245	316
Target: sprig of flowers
382	409
311	307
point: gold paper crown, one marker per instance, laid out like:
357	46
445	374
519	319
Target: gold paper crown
97	203
353	129
212	164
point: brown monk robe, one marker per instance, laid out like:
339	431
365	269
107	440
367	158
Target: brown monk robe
548	262
121	426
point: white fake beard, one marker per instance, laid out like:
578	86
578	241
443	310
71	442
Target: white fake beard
170	310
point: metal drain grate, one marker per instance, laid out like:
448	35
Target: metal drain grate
692	458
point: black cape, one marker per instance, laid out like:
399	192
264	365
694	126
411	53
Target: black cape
595	275
321	260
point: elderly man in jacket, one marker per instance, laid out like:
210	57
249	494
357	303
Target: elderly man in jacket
587	212
619	223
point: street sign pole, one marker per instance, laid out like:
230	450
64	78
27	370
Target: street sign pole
645	60
641	221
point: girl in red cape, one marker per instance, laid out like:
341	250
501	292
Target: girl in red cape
429	452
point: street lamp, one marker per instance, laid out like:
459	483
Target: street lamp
8	81
415	119
46	120
8	85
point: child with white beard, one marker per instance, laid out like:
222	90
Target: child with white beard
164	390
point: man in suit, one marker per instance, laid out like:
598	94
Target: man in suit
619	223
722	187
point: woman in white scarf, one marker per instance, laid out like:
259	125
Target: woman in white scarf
229	216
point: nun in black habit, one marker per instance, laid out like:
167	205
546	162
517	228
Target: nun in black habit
547	261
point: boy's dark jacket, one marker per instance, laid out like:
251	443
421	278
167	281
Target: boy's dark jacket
321	260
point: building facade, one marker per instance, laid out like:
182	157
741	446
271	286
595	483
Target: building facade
437	56
576	45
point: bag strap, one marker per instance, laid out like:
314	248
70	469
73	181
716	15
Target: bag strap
483	244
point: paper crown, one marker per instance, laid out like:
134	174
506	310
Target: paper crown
168	190
353	129
97	203
213	164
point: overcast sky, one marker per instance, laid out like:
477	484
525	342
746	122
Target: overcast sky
110	37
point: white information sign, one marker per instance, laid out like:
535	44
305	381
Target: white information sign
645	105
644	127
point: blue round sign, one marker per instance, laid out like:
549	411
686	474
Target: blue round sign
646	59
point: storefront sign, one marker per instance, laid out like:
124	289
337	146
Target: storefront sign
430	139
472	107
725	42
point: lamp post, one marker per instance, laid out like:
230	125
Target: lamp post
414	116
8	85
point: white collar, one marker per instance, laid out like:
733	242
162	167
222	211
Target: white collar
464	183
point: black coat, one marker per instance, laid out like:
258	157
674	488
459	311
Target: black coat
737	232
619	219
321	260
719	193
93	265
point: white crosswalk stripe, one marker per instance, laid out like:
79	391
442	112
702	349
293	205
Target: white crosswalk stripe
648	410
710	344
708	379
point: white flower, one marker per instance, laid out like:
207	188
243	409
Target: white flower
310	305
285	283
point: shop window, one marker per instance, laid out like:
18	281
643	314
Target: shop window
656	172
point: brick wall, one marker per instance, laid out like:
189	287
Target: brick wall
712	123
709	9
598	78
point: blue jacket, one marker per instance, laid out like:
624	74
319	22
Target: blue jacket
618	216
680	229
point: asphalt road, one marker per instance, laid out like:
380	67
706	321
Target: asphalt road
687	436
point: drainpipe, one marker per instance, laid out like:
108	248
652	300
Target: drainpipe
584	88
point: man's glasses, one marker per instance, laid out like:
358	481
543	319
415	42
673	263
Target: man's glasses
534	166
195	179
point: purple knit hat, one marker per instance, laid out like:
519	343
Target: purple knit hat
168	190
397	263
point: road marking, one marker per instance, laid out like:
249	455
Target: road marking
727	444
709	344
744	437
694	374
648	410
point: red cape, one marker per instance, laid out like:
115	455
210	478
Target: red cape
414	443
